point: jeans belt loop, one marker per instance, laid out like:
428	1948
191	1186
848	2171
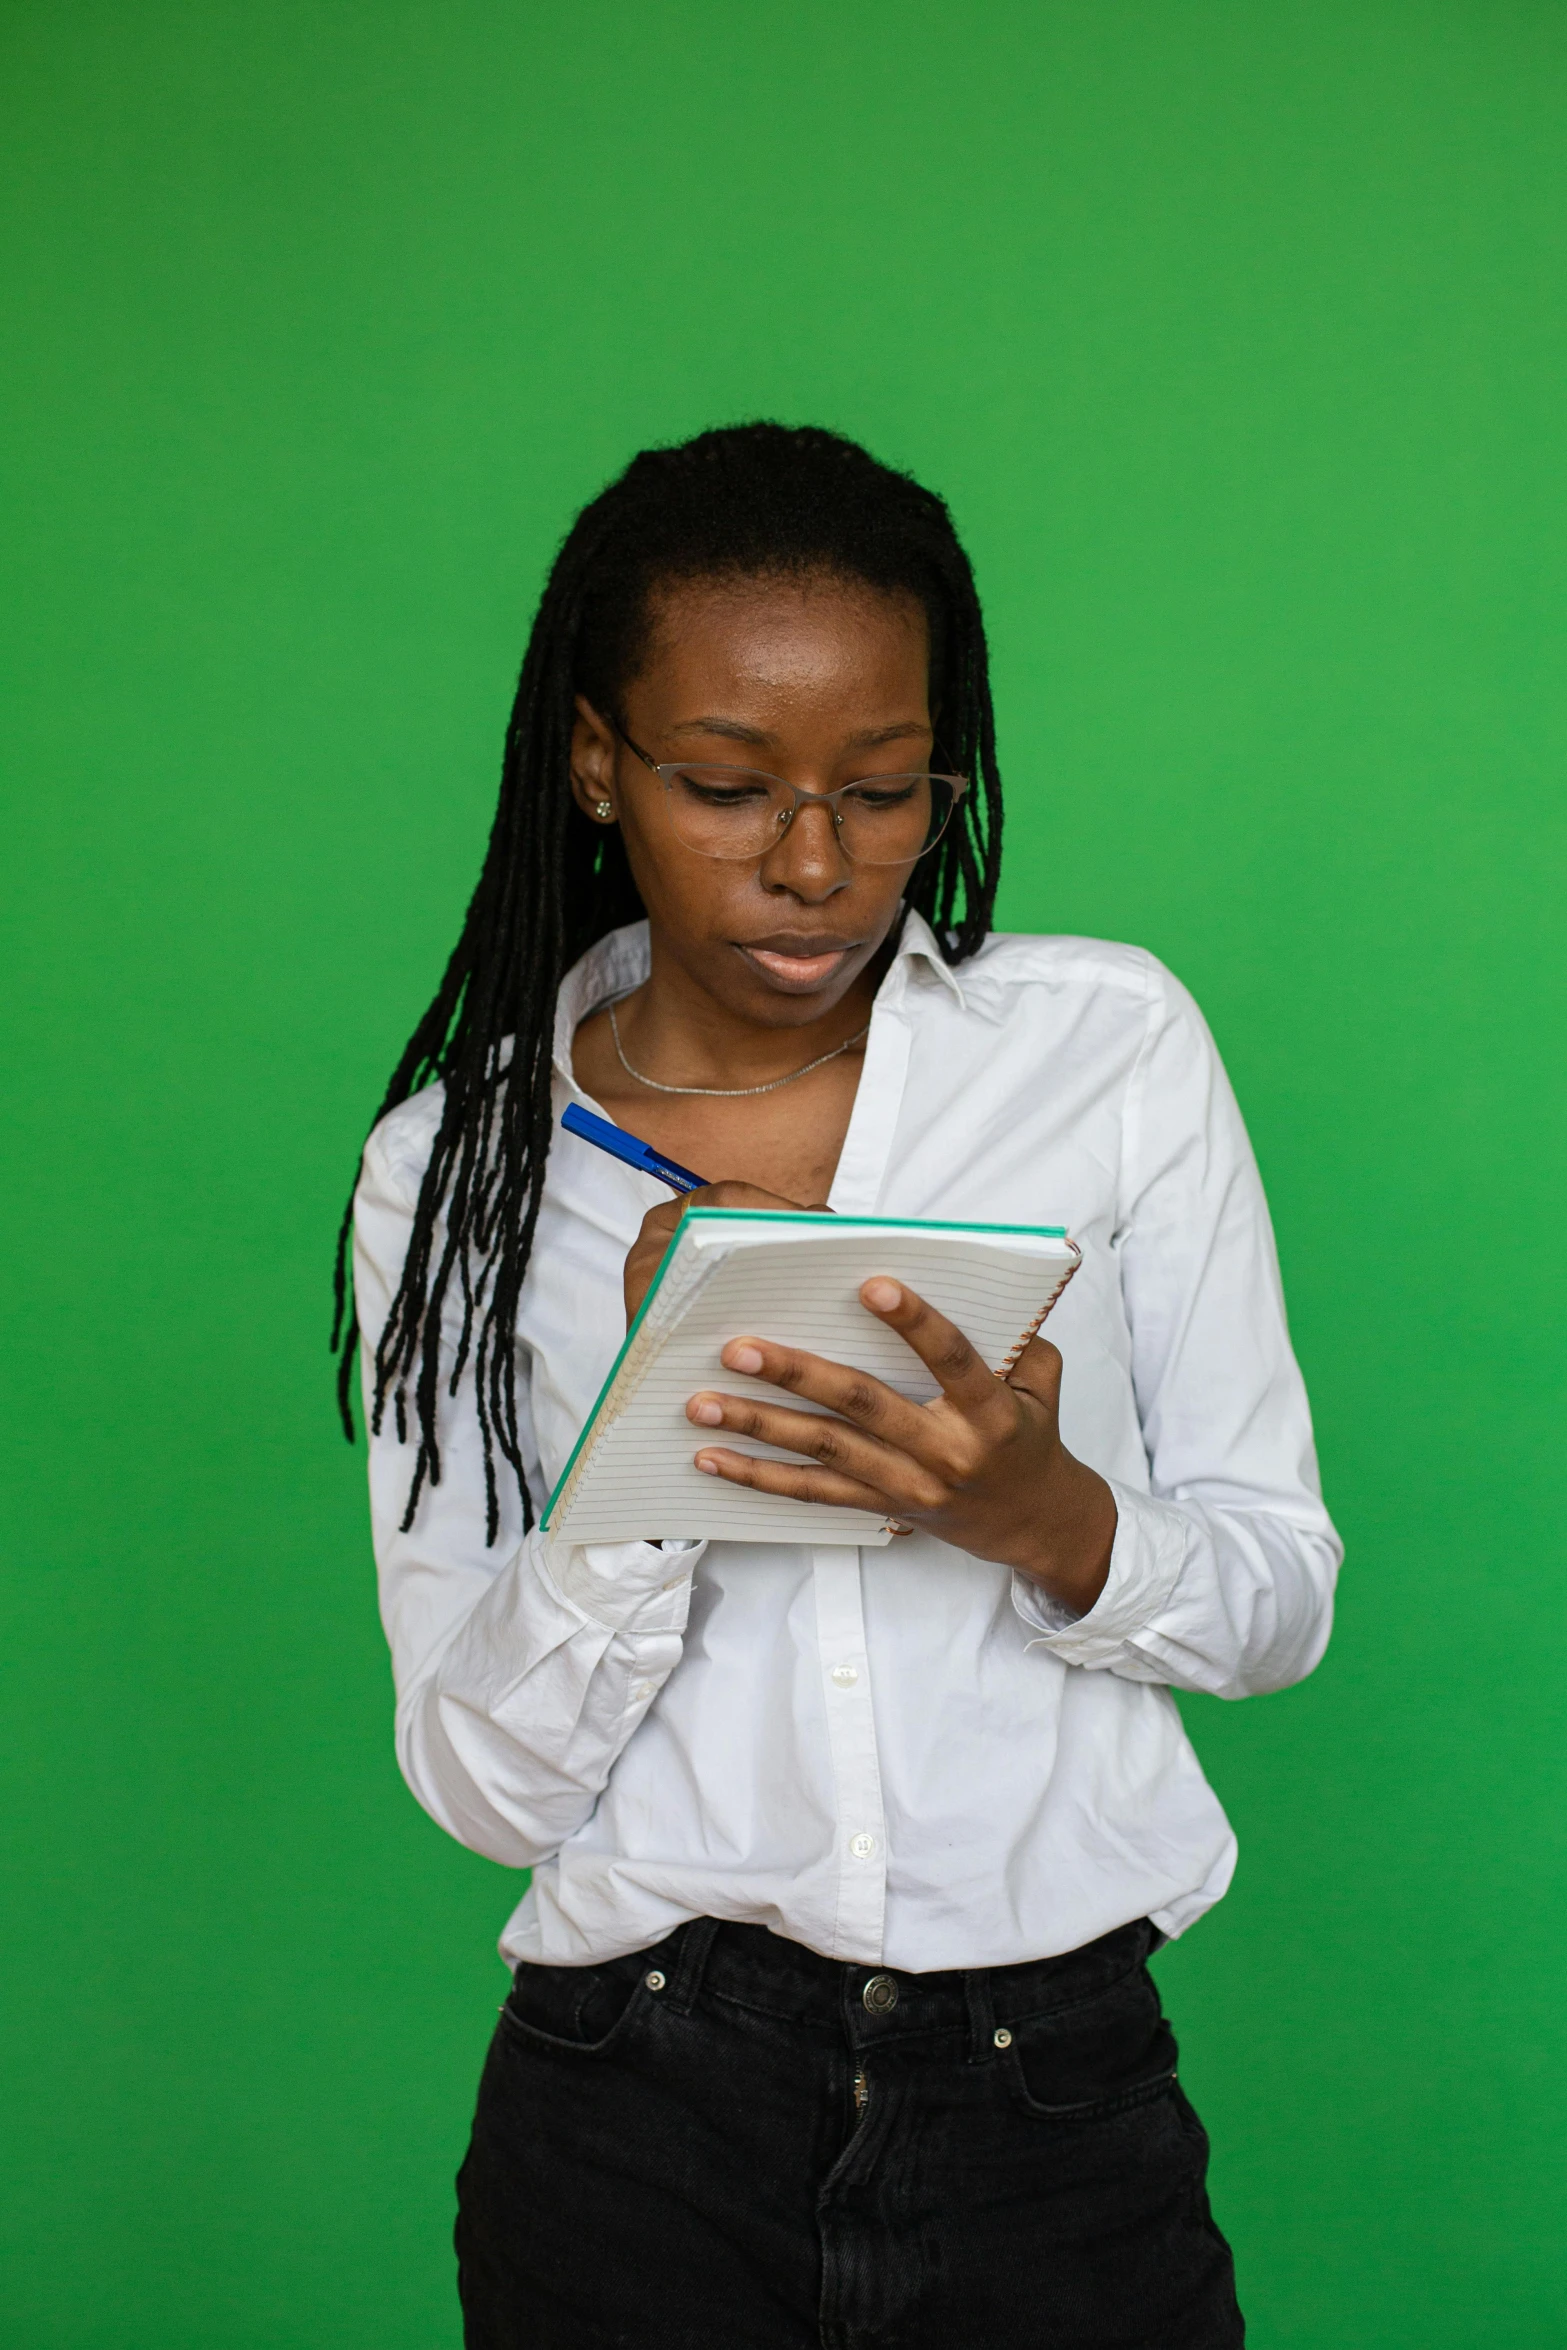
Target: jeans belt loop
695	1941
981	2014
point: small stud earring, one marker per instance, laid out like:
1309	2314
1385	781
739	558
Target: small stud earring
604	810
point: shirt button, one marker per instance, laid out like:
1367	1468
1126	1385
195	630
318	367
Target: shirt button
880	1995
846	1675
862	1846
645	1689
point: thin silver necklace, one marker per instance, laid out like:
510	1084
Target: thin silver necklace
731	1092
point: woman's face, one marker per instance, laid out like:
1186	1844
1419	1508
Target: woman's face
819	681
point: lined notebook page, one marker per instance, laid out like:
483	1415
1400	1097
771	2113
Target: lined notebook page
797	1283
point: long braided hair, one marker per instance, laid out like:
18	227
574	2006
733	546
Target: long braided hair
747	500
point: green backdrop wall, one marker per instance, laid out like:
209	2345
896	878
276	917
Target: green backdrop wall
1235	335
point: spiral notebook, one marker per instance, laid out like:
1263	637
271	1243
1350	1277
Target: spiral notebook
730	1273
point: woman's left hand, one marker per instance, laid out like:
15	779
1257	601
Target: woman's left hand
982	1465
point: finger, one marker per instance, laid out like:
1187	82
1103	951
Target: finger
658	1225
826	1486
646	1252
867	1402
833	1444
964	1377
749	1196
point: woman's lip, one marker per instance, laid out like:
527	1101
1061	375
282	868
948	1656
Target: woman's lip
798	971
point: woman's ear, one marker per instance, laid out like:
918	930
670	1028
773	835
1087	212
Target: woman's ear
593	764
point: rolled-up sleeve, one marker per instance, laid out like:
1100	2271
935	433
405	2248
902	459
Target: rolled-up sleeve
522	1667
1222	1572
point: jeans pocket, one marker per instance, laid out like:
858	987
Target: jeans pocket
1104	2056
577	2011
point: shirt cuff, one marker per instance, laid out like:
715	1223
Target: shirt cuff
625	1586
1146	1559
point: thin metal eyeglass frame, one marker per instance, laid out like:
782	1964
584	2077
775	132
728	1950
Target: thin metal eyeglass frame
956	784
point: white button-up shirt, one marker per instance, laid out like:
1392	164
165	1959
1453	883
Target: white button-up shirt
904	1756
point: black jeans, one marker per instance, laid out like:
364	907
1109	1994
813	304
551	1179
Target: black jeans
728	2143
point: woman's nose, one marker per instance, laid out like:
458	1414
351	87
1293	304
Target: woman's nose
808	858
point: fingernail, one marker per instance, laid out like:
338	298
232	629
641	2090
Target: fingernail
741	1355
707	1467
883	1295
706	1412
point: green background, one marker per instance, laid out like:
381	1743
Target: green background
1235	335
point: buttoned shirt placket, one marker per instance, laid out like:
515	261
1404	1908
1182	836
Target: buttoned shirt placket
859	1925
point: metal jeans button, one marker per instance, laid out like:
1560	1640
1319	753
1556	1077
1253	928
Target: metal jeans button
880	1995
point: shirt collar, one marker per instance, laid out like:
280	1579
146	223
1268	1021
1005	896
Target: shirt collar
918	945
612	967
620	962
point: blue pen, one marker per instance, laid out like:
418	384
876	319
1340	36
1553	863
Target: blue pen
621	1145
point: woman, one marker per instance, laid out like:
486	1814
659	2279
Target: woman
831	2021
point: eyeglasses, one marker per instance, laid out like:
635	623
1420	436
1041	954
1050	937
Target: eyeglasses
740	813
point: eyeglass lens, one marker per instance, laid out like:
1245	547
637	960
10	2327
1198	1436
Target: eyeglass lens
736	812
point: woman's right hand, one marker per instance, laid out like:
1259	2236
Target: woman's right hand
658	1229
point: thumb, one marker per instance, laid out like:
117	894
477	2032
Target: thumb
1038	1372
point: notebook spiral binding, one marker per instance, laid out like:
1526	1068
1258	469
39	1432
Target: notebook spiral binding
1038	1323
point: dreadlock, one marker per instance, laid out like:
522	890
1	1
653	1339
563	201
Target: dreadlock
748	500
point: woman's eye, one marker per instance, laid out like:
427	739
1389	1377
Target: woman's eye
726	795
895	793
